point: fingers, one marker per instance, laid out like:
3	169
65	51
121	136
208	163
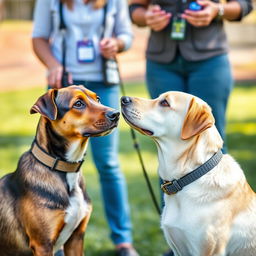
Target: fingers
203	17
109	47
54	76
196	20
203	3
70	78
156	18
159	22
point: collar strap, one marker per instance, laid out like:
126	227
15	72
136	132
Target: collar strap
55	164
174	186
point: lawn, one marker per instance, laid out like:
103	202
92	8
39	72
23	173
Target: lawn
17	131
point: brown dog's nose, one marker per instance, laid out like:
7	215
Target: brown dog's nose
112	115
125	100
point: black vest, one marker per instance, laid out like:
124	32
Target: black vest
199	44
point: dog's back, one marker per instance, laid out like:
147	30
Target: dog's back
242	239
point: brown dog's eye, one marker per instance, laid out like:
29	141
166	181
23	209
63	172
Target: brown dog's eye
164	103
79	104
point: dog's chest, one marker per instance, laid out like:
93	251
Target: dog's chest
78	208
179	222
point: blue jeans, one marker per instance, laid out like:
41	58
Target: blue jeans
105	156
210	80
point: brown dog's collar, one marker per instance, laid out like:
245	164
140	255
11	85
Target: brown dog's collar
53	163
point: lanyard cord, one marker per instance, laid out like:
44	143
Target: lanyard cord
63	28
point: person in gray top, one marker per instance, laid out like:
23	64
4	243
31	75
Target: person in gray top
187	48
94	30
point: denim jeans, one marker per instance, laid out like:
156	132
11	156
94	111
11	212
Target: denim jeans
105	156
210	80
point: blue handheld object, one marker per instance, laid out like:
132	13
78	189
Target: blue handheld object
194	6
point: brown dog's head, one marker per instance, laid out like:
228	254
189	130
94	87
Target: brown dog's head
174	115
76	112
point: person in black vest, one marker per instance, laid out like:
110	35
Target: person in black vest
187	48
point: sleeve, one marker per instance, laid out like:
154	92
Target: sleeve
122	26
42	26
246	7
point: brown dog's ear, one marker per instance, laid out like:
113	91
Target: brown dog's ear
46	105
198	119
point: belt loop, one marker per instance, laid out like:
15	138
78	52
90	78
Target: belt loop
55	163
176	185
77	170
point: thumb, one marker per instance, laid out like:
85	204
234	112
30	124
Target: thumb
104	41
203	2
155	8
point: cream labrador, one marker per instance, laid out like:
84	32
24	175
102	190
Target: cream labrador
214	213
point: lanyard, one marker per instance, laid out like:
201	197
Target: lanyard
63	28
181	5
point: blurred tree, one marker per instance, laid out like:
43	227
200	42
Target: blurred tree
18	9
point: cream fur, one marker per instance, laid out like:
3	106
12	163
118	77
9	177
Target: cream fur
216	214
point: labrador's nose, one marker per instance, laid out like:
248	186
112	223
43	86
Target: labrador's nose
113	115
125	100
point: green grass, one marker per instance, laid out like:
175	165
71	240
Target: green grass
17	128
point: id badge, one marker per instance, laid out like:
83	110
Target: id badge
85	51
178	28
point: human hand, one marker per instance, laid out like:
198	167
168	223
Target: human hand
54	77
156	18
109	47
203	17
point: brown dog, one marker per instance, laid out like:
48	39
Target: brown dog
43	204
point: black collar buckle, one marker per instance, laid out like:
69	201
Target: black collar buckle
174	186
55	163
171	187
80	164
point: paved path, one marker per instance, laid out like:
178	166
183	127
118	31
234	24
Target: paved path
19	68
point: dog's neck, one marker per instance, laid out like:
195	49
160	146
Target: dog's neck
177	158
58	146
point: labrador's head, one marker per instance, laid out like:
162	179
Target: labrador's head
175	115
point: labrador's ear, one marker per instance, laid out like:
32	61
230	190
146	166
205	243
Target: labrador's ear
46	106
198	119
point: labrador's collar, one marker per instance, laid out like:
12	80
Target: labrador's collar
55	164
174	186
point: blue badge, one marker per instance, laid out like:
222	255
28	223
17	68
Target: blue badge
85	51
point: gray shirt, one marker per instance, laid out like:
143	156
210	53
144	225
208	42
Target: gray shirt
83	22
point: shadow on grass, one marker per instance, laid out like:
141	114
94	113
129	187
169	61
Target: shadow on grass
92	252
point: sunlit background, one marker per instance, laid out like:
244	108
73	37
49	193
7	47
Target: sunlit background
22	80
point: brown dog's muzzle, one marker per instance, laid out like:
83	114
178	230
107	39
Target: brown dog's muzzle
113	116
104	124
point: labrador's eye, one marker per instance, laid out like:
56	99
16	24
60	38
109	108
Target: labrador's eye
79	104
164	103
98	99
